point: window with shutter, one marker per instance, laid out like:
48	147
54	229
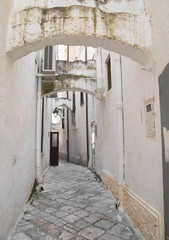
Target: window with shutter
81	98
74	109
49	59
108	66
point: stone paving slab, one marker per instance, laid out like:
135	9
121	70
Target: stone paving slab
74	205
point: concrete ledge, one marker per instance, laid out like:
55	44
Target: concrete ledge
145	218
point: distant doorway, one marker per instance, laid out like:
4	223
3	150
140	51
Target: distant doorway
54	148
164	106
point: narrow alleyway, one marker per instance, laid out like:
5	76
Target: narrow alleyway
73	205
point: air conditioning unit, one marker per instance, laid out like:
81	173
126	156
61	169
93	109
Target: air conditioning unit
49	59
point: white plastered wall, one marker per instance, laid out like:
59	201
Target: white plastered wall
77	133
107	133
142	154
143	164
17	129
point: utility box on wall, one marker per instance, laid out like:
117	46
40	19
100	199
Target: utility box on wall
150	117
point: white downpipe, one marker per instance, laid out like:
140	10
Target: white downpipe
38	132
99	69
120	117
100	91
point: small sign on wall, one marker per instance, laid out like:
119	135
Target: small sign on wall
150	117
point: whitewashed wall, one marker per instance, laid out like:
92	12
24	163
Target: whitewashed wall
17	129
107	138
77	133
143	163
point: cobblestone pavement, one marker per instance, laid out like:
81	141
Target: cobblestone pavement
73	205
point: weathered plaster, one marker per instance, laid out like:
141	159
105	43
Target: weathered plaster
33	28
68	83
17	128
77	68
159	15
135	6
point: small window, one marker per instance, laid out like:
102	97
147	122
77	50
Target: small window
63	112
63	123
81	98
108	66
150	120
54	140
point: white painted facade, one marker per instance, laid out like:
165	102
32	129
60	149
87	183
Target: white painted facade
122	147
17	129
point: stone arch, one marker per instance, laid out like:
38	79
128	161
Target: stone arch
59	102
33	28
80	85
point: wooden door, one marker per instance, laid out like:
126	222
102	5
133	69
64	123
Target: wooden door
54	148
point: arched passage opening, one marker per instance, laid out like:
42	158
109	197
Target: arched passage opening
72	122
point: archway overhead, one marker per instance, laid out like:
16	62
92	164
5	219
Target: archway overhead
59	102
53	93
33	28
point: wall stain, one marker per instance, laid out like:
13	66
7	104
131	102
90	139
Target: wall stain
14	161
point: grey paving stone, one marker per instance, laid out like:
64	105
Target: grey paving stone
70	228
109	237
81	213
74	205
91	232
60	214
93	209
35	233
48	238
80	238
20	236
25	227
105	224
93	218
69	209
66	235
120	230
50	228
71	218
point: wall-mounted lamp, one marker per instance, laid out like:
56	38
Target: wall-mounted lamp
55	112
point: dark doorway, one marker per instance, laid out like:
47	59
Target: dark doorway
54	148
164	106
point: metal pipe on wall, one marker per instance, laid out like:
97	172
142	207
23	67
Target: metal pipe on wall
38	131
87	128
120	115
67	130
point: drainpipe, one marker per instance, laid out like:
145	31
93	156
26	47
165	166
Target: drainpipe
87	118
42	128
67	130
99	72
38	131
67	114
120	116
87	128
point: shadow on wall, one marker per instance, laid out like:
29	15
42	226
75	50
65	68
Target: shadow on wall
164	106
